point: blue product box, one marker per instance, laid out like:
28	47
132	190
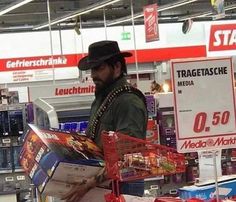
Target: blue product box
40	179
226	189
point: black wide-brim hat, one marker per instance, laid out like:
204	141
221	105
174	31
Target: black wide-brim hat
100	52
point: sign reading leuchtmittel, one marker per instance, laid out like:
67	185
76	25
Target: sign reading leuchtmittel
204	104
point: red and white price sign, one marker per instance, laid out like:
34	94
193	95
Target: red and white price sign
204	104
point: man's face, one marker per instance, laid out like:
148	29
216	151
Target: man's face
102	76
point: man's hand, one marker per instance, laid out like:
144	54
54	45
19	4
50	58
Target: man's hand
79	190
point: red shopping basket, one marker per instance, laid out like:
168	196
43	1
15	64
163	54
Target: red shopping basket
128	158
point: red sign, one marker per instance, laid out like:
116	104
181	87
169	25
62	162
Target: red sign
71	60
222	37
151	23
39	62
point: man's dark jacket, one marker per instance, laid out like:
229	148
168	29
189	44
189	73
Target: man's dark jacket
126	114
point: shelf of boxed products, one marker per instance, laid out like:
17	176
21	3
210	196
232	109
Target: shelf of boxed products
12	126
12	120
9	155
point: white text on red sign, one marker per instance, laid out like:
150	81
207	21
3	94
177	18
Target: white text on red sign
222	37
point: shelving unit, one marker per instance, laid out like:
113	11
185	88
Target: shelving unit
13	180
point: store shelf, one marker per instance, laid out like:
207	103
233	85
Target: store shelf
12	107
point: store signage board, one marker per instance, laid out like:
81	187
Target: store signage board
151	22
222	37
204	104
60	90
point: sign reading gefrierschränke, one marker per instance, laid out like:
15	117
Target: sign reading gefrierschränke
204	104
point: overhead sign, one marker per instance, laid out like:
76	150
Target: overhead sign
204	104
60	90
151	22
39	62
222	37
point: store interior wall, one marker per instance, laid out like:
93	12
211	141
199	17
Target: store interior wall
31	44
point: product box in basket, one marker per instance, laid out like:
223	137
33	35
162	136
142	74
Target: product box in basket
64	157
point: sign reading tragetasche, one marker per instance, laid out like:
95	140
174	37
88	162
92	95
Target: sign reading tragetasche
204	104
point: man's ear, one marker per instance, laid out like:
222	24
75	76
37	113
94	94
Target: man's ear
117	68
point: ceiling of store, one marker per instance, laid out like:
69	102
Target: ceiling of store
35	13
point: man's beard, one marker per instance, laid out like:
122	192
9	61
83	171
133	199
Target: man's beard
100	85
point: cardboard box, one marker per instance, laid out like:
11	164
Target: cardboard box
56	188
226	189
58	158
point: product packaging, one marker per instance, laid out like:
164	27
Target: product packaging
56	160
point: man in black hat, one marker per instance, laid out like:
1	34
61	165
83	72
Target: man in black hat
117	106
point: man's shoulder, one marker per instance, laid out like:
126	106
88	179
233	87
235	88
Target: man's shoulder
129	95
130	98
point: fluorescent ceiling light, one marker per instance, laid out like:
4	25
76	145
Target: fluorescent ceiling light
13	6
205	14
125	19
196	15
77	13
230	7
175	5
159	9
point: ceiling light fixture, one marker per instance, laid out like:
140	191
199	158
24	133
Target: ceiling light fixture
205	14
175	5
13	6
125	19
230	7
159	9
77	13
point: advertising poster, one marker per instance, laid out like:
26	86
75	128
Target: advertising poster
151	22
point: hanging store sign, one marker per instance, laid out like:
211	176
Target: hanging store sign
151	22
204	104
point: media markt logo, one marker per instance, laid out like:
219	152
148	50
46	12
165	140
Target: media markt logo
220	141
